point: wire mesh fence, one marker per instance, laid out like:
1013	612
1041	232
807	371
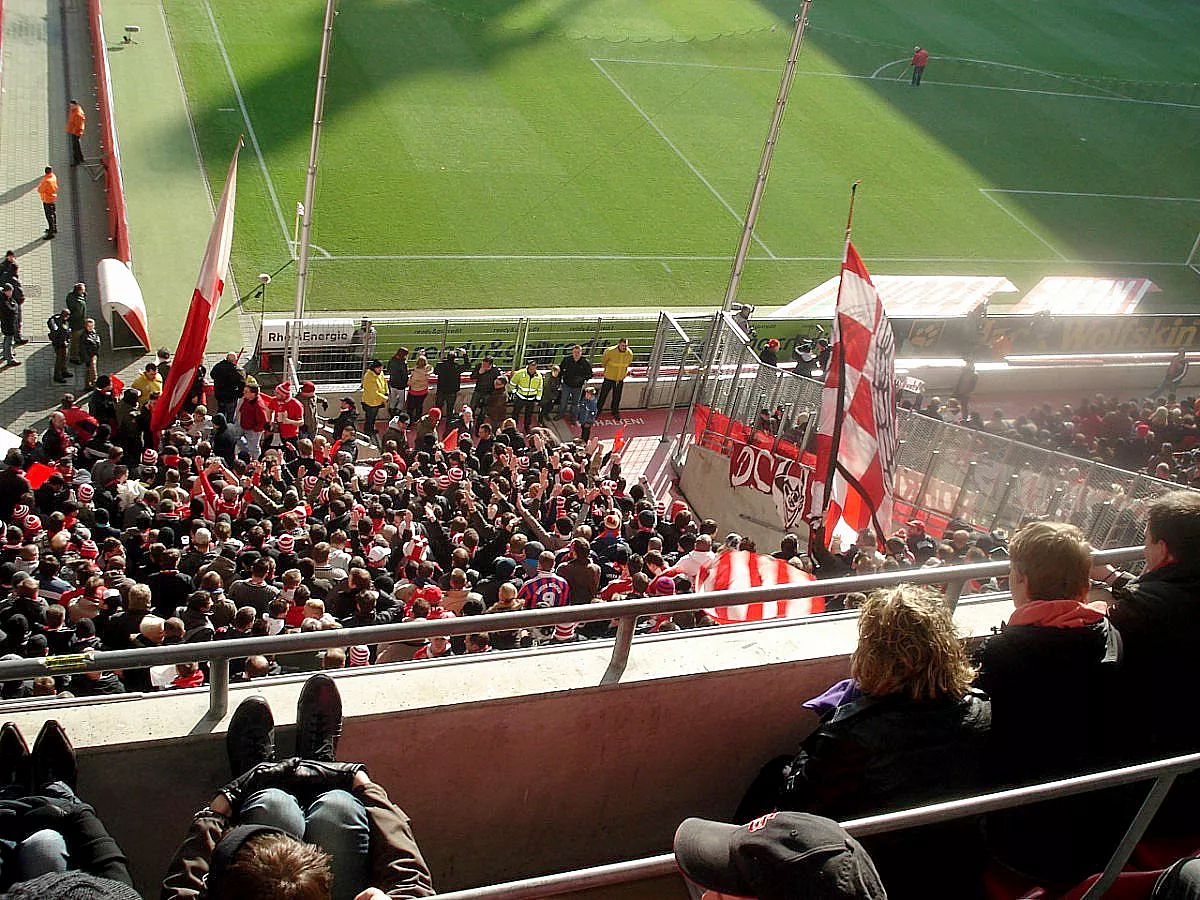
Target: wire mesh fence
336	351
944	471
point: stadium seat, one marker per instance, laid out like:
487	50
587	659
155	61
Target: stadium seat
1002	883
1161	852
1128	886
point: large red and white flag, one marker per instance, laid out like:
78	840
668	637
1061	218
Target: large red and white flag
737	570
206	301
856	433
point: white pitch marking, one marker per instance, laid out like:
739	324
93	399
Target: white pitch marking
650	121
999	65
1089	194
981	87
237	92
684	65
1013	216
617	257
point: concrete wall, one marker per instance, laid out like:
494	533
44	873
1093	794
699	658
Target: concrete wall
705	483
510	766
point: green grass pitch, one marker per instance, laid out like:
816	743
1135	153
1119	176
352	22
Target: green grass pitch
567	153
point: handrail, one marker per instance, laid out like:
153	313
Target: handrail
220	652
664	864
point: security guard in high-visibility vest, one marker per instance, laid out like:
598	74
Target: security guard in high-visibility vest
526	391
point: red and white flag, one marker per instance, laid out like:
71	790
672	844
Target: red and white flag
206	301
856	434
737	570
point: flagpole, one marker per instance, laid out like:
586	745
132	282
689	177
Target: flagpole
850	220
835	439
310	181
764	166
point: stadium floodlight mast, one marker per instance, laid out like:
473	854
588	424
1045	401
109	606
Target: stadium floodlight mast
764	166
310	181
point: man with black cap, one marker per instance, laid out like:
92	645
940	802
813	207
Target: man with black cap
779	856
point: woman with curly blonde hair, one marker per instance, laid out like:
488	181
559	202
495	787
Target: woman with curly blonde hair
906	731
907	645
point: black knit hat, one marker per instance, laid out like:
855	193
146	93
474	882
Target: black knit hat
70	886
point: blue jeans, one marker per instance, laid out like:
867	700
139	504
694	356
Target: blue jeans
569	400
8	348
43	851
336	822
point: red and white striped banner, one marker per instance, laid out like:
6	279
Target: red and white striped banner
856	434
738	570
202	314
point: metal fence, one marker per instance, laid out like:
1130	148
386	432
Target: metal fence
336	351
943	471
626	612
1162	772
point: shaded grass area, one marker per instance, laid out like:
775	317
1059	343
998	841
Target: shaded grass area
632	128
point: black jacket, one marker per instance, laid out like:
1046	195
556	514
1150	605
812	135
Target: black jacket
575	373
1158	615
878	754
228	381
1052	693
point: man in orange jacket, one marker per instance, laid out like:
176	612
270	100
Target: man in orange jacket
76	122
48	191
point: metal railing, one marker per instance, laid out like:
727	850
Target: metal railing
336	350
942	470
1164	773
218	653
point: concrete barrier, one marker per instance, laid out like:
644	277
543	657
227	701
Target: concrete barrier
751	513
512	765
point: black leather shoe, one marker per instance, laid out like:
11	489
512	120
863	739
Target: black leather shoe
53	757
14	756
251	736
318	719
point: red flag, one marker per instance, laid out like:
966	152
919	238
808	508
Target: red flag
737	570
206	301
856	435
619	441
450	442
38	473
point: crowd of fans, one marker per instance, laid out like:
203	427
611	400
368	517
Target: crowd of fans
291	523
1157	436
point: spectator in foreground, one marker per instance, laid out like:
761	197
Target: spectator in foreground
60	848
912	732
779	856
1051	673
307	826
1158	615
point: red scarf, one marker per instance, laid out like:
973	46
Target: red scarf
1059	613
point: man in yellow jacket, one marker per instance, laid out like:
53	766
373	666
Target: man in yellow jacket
616	361
48	191
374	394
76	122
526	390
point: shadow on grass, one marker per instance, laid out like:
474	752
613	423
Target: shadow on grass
1018	128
